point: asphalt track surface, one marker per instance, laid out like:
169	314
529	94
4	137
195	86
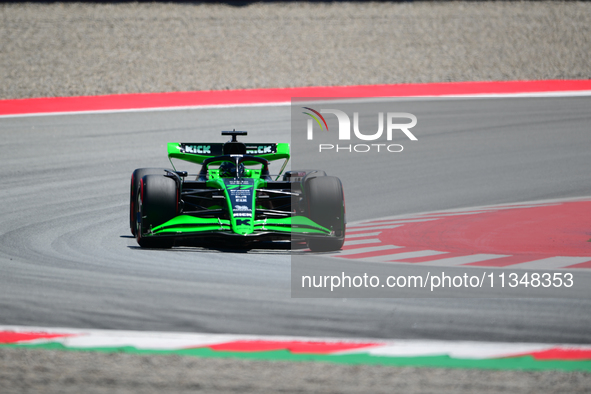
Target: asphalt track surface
67	257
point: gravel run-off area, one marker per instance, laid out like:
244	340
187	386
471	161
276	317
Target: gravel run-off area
51	371
55	49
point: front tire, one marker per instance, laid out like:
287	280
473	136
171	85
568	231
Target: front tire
158	202
326	206
136	178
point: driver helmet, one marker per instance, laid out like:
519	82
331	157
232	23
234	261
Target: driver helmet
228	170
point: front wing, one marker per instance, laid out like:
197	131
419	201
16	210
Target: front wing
186	226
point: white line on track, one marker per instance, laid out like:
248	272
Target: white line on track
365	250
157	109
362	235
394	257
373	228
361	226
460	260
362	241
551	262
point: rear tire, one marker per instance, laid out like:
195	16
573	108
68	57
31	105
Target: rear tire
158	202
136	178
326	206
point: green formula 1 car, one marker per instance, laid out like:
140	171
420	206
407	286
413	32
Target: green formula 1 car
234	199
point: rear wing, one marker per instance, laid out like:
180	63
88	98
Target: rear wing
197	152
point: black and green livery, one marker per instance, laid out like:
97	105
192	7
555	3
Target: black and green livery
168	206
